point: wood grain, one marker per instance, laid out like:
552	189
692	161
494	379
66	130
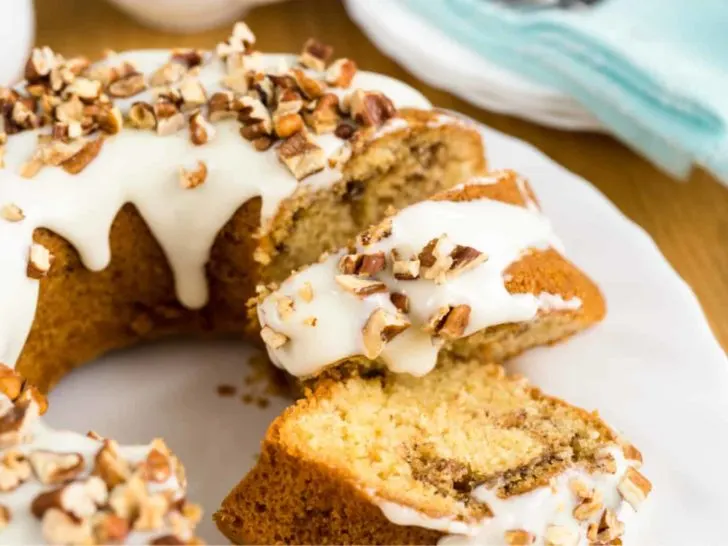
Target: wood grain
688	221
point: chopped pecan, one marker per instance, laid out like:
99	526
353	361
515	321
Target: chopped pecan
167	74
273	339
435	259
465	258
607	530
519	537
110	466
84	89
141	116
201	131
449	322
152	510
192	92
631	453
306	292
6	516
405	269
634	487
370	108
128	86
190	179
169	118
220	106
109	528
380	328
285	307
80	498
39	261
364	265
59	527
341	73
360	287
287	125
400	301
14	470
325	116
158	465
262	143
79	161
11	383
315	54
301	155
53	468
289	102
560	535
42	60
189	57
311	88
11	212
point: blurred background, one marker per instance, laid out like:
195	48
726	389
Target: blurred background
591	84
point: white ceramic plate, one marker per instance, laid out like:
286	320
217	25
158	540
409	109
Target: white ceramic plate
653	369
442	62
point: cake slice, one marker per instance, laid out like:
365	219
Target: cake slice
464	451
475	271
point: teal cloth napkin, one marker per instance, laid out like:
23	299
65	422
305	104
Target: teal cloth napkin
655	72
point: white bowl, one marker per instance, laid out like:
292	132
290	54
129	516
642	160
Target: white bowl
17	26
187	15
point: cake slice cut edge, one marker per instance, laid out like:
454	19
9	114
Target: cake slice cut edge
465	451
475	271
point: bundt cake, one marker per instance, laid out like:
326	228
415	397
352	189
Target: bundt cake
65	488
166	185
463	455
147	195
475	271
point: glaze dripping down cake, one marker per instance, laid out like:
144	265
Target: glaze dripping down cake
465	454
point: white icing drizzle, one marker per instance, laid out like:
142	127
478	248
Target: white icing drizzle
24	527
142	168
555	302
504	232
533	512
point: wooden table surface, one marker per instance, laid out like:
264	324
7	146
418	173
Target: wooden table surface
689	221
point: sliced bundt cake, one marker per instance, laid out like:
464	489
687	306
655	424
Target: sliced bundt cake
464	451
475	271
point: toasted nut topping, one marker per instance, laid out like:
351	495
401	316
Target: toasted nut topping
634	487
263	143
631	453
273	339
289	102
380	328
311	88
192	92
310	321
605	462
315	54
302	156
376	233
241	39
39	261
169	73
109	528
30	168
465	258
254	113
287	125
130	85
400	301
341	73
152	509
435	259
589	507
110	121
220	106
141	116
344	130
109	465
360	287
188	57
405	269
325	116
168	540
201	131
364	265
370	108
80	498
607	530
285	307
449	322
5	516
519	537
58	527
557	535
306	292
580	489
11	213
14	470
84	157
168	124
42	60
190	179
54	468
158	464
